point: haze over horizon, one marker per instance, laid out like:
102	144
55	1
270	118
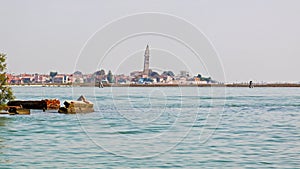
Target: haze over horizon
255	40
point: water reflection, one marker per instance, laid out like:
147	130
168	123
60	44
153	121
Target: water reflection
3	122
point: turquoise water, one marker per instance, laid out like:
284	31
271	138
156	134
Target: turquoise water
157	128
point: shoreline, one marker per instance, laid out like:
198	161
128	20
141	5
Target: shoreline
161	85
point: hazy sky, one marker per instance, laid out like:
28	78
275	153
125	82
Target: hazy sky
255	39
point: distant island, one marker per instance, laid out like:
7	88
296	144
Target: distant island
145	78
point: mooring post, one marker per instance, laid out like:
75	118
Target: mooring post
250	84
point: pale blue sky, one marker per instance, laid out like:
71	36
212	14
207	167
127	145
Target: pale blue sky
255	39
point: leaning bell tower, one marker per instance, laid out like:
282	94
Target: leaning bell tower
146	62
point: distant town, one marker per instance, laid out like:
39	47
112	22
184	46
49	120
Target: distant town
167	77
145	76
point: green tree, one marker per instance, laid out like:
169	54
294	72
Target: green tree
6	91
52	75
168	73
100	72
99	75
199	76
110	77
77	73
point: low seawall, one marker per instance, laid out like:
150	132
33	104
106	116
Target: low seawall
166	85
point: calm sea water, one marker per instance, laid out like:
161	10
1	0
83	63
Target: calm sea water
157	128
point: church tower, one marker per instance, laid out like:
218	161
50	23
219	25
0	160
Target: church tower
146	62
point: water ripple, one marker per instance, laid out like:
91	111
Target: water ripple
258	128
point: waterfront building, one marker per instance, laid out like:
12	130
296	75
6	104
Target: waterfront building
61	79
